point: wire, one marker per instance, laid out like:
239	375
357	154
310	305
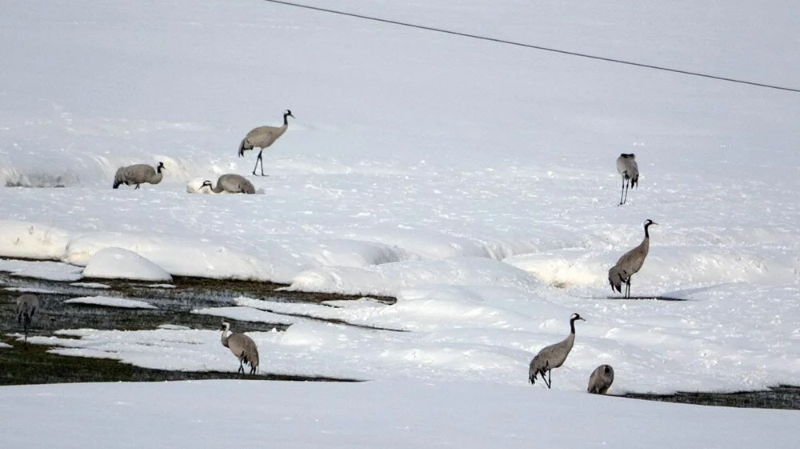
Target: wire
535	47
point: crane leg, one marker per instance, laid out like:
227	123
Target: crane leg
547	371
627	188
628	288
259	159
241	368
622	191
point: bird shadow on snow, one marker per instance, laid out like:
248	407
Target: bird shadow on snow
684	295
676	295
645	298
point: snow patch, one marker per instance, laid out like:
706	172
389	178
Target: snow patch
96	285
50	271
107	301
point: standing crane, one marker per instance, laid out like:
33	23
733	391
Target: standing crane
553	356
630	263
262	137
27	305
242	346
629	170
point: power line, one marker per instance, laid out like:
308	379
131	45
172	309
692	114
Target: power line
535	47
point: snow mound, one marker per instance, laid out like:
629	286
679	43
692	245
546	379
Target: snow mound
567	269
389	278
118	263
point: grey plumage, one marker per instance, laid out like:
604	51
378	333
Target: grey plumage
27	305
231	183
629	170
630	263
262	137
553	356
138	174
242	346
601	379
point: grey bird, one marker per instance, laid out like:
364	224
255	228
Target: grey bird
231	183
242	346
138	174
601	379
630	263
553	356
629	170
262	137
27	305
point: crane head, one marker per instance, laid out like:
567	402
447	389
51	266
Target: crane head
288	113
649	222
575	317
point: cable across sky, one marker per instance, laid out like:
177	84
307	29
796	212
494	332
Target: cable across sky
534	47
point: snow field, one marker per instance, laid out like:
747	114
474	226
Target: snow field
472	181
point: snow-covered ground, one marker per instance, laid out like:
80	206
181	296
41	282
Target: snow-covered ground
473	181
375	414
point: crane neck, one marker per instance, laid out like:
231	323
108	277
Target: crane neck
646	231
224	338
572	325
285	119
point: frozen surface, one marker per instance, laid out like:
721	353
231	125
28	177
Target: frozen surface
111	302
118	263
473	181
